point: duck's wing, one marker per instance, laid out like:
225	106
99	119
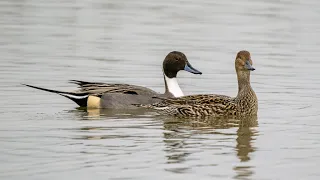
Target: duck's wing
196	105
193	99
99	88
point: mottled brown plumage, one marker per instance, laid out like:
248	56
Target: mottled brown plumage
244	104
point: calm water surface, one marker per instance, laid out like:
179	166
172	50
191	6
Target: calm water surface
46	43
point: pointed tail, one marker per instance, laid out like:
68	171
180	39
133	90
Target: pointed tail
78	97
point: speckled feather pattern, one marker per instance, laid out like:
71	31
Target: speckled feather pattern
206	105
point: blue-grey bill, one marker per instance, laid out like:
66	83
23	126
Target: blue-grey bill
189	68
249	66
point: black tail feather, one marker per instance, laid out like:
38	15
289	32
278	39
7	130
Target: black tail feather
78	97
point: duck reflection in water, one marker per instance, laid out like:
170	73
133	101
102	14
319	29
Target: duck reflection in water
180	136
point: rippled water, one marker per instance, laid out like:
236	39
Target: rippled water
46	43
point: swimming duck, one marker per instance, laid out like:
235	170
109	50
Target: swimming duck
244	104
118	96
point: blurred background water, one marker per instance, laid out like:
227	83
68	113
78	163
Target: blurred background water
46	43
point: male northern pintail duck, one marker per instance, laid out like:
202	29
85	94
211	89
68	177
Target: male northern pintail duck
243	105
119	96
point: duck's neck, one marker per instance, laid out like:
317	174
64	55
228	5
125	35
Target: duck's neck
244	87
246	99
172	86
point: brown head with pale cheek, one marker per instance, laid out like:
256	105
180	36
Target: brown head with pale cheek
176	61
243	62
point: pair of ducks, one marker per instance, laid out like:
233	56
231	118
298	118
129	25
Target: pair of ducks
172	102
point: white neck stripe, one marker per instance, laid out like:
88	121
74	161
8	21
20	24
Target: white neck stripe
173	86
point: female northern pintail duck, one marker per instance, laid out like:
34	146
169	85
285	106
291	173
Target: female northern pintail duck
118	96
245	104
